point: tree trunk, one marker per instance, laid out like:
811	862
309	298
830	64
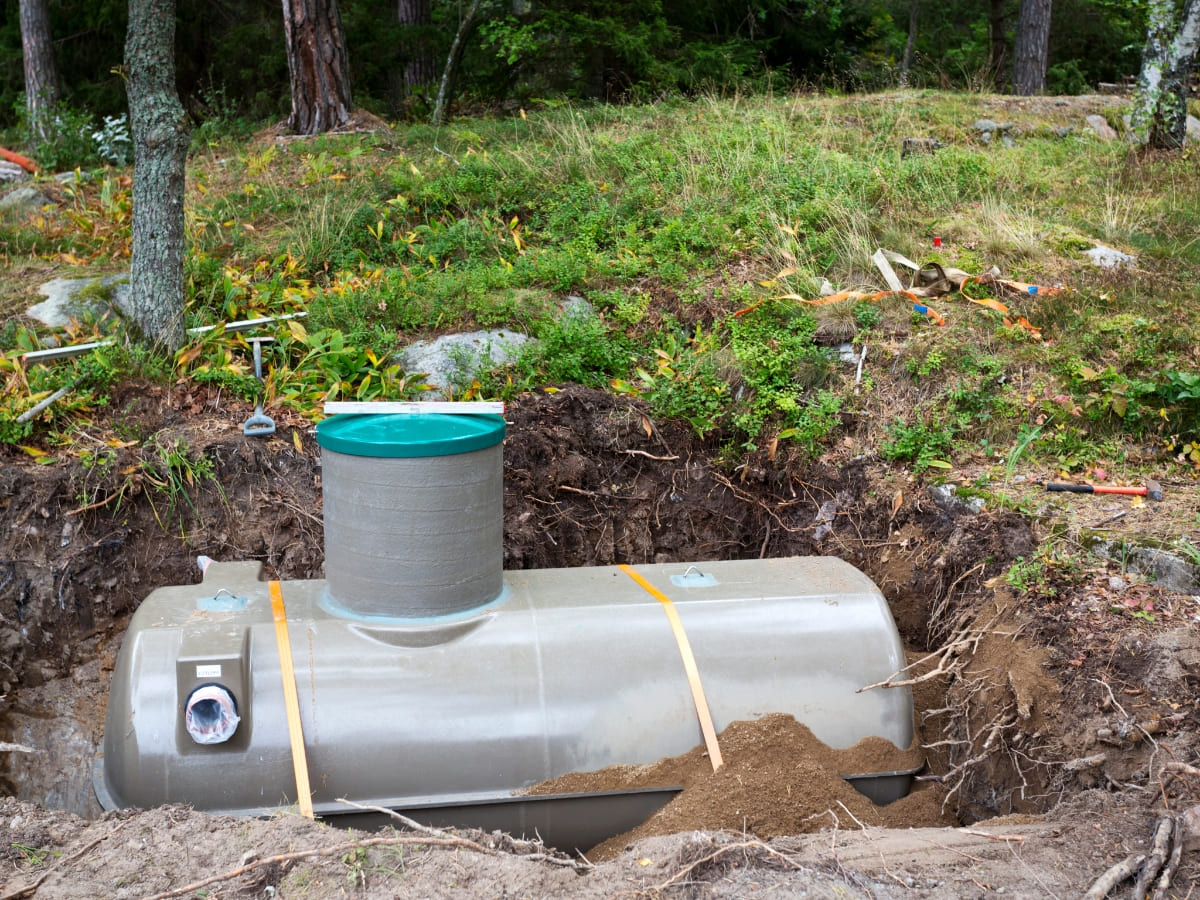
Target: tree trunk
998	48
452	60
160	143
906	62
41	75
317	64
1033	43
420	67
1172	37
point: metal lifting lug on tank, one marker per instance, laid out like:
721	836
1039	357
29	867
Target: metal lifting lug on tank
421	677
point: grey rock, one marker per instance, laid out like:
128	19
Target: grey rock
946	497
63	302
1100	127
10	171
985	125
575	307
1108	258
916	145
451	361
25	198
1064	131
1167	570
1193	130
986	137
1008	141
76	176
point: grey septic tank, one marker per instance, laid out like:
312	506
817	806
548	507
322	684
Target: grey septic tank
432	682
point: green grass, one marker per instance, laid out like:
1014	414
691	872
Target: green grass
673	218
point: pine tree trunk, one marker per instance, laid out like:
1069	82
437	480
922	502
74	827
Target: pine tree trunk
1172	38
1033	44
998	50
160	143
317	64
420	67
41	75
909	43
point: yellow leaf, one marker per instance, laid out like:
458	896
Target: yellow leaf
248	226
296	440
645	862
790	270
33	451
550	390
1137	501
939	464
118	444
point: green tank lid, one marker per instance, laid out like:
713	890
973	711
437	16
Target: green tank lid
409	435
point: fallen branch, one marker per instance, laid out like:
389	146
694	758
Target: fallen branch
1159	849
6	747
536	849
1010	838
1178	836
1114	876
346	847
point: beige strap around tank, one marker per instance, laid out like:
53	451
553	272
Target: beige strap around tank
291	701
689	666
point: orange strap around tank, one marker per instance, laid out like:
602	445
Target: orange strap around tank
291	701
689	666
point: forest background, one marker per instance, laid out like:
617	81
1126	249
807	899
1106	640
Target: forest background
233	67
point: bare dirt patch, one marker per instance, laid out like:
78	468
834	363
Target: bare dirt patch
1053	705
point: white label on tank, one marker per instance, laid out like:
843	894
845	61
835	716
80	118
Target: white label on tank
208	671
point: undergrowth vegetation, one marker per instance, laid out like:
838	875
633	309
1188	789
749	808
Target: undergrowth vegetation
697	233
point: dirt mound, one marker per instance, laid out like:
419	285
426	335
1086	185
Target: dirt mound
777	779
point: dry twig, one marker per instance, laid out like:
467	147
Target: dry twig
725	850
28	890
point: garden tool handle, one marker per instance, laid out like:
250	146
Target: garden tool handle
1073	488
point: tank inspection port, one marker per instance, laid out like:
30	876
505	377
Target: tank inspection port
210	714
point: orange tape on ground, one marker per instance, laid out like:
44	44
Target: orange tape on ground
689	666
291	701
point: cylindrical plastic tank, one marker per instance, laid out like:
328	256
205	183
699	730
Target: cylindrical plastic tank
571	670
413	514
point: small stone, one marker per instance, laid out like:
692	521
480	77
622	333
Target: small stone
1101	128
1116	583
1108	258
987	126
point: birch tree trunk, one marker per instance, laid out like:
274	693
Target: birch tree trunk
160	143
1032	47
450	72
41	75
317	66
1159	117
